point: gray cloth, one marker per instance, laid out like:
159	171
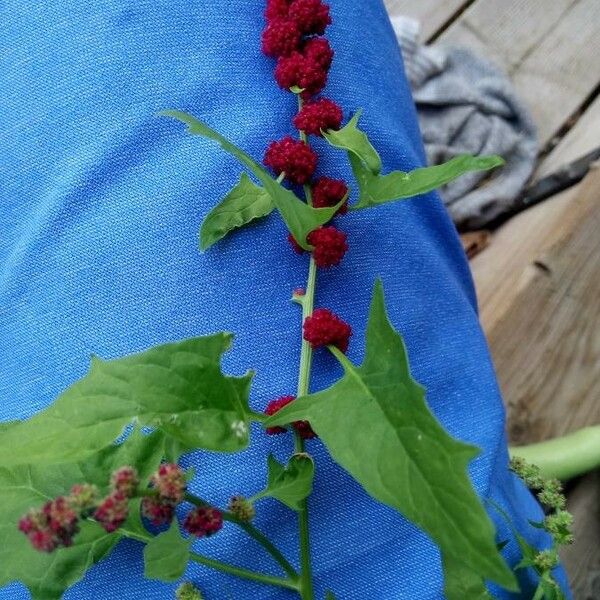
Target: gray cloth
466	104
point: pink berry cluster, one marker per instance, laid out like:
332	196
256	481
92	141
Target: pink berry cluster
113	510
293	35
170	486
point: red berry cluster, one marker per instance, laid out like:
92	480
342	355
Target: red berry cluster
303	428
203	521
325	328
51	526
170	485
114	508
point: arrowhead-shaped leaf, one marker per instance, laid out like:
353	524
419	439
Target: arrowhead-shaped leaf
379	189
48	575
376	425
166	556
355	141
291	484
244	203
299	217
176	387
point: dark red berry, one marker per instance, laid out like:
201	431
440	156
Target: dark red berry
297	159
317	115
312	16
318	50
301	71
280	37
203	521
328	192
276	9
324	328
329	244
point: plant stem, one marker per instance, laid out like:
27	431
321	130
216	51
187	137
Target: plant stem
254	533
244	573
307	302
284	582
564	457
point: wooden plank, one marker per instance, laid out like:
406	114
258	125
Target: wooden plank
582	559
546	347
550	49
505	267
580	140
432	14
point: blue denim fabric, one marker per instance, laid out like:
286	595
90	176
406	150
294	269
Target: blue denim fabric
100	204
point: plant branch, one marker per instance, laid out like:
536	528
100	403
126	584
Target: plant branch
307	302
254	533
284	582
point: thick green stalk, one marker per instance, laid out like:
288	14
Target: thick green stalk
307	302
564	457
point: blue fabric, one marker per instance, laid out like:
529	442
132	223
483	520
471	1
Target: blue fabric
100	203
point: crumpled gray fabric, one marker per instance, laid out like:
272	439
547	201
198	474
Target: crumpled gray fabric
467	104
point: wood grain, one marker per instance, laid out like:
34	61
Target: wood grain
549	48
432	14
546	346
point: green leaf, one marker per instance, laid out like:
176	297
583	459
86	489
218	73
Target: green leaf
379	189
48	575
299	217
355	141
377	426
244	203
166	556
460	583
176	387
291	484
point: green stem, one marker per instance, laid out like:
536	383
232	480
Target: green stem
244	573
254	533
307	302
564	457
284	582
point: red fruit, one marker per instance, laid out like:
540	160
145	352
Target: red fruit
329	246
35	526
83	497
272	408
280	37
170	482
157	510
113	511
276	9
312	16
324	328
328	192
302	427
62	520
319	51
125	480
296	158
203	521
322	114
301	71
